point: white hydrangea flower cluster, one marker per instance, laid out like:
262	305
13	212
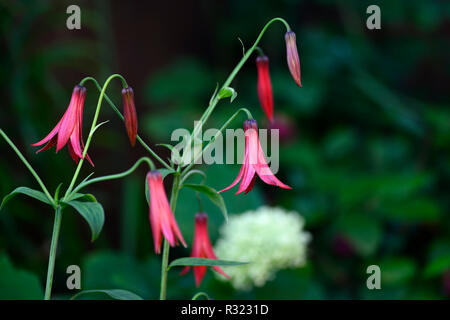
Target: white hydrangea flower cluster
269	238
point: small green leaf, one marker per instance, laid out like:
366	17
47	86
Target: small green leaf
117	294
204	262
84	196
227	92
99	125
212	194
214	94
243	47
174	153
27	191
93	213
56	198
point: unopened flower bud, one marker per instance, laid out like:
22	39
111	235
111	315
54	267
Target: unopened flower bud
129	114
292	56
264	86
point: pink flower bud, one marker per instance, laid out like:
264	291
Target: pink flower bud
292	56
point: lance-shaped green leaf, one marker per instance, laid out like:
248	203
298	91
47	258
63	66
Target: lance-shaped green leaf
117	294
26	191
212	194
93	213
227	92
56	197
84	196
204	262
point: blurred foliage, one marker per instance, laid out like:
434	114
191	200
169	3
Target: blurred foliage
366	148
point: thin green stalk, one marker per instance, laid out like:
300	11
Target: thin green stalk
52	256
112	176
225	125
116	110
166	248
35	175
201	294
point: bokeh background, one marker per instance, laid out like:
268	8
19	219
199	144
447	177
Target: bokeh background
364	143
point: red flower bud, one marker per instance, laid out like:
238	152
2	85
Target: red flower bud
129	114
264	86
292	56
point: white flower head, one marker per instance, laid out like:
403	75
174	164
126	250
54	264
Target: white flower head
268	238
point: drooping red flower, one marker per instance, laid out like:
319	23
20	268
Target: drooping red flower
265	94
202	248
292	56
129	114
69	127
161	216
254	162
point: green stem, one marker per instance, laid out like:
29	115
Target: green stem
112	176
52	256
166	248
201	294
35	175
116	110
225	125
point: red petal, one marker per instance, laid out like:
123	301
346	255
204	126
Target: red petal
49	144
199	273
49	137
69	120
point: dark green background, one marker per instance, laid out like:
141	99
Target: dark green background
365	143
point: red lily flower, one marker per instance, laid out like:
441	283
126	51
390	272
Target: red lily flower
202	248
292	56
69	127
264	86
254	162
161	216
129	114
